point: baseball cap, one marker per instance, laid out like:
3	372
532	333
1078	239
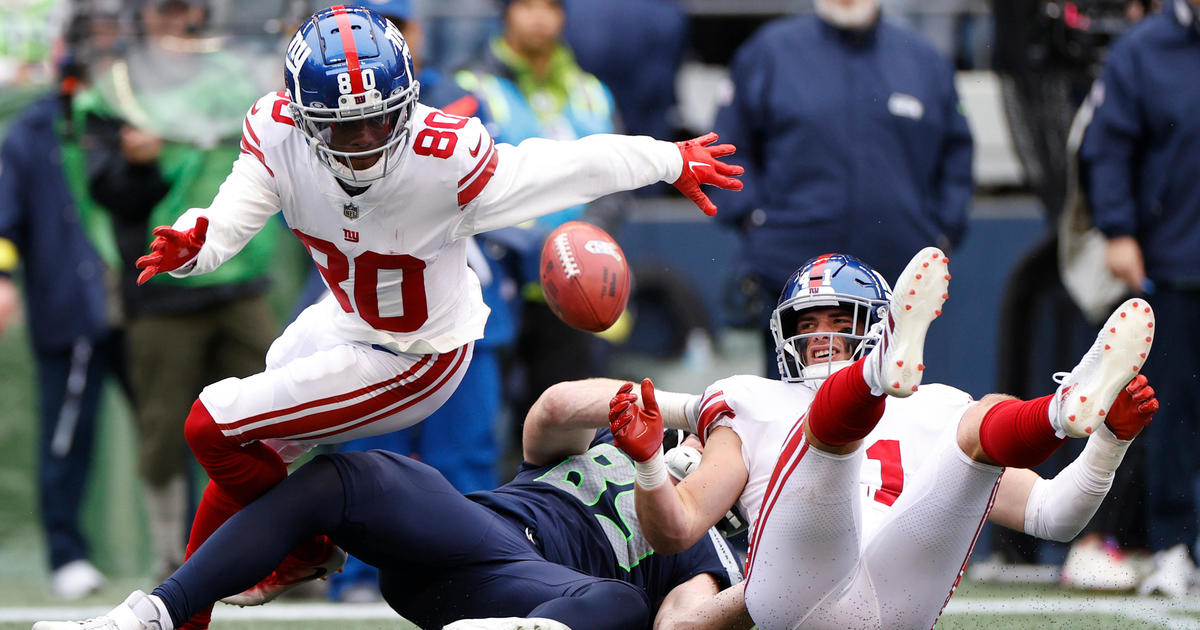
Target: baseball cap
399	9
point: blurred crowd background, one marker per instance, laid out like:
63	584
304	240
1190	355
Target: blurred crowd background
146	98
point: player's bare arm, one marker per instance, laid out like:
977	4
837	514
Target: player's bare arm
725	610
564	419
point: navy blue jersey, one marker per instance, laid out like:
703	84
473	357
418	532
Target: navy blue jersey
580	513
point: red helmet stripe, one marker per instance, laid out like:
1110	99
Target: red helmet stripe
347	33
818	271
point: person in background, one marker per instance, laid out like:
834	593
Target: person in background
149	159
635	48
529	86
1141	156
64	248
853	139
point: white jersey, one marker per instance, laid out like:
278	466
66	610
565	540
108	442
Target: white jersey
763	412
395	256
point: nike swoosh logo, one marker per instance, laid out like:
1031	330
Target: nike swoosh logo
254	109
693	165
474	152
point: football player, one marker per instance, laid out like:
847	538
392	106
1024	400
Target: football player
867	494
559	544
383	192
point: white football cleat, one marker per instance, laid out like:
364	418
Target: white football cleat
1172	574
290	573
1086	393
507	623
1098	565
895	363
139	611
76	579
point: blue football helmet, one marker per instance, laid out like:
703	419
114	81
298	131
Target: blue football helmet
349	75
831	280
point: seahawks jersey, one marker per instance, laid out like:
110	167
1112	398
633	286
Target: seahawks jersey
580	513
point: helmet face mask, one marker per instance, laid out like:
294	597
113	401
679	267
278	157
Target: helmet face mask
824	317
350	79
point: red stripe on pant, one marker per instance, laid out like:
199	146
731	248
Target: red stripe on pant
311	426
778	476
970	550
275	413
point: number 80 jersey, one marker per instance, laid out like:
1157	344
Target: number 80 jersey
394	256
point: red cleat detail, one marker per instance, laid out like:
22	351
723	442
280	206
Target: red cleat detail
899	364
1083	399
918	276
920	367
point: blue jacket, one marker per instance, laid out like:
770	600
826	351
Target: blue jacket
65	289
852	142
1141	152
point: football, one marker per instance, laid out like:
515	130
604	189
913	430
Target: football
584	275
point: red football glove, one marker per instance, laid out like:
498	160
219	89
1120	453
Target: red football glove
171	249
1133	409
638	431
701	166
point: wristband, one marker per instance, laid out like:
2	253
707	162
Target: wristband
651	473
673	407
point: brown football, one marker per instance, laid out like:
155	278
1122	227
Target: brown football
585	277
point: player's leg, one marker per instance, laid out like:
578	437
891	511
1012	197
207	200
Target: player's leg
1023	434
913	563
499	595
850	402
806	540
240	552
317	388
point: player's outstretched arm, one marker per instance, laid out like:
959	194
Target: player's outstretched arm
1059	508
541	176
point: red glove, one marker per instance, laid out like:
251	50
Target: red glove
701	166
638	431
1133	409
171	249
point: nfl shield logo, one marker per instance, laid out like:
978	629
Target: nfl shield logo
350	210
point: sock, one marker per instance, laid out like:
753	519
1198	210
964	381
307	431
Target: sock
1017	433
239	474
844	409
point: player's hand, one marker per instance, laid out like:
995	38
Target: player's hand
1124	258
171	249
1133	409
638	431
701	166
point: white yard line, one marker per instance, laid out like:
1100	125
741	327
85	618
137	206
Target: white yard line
1161	611
274	612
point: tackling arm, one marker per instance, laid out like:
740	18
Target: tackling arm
564	419
696	605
